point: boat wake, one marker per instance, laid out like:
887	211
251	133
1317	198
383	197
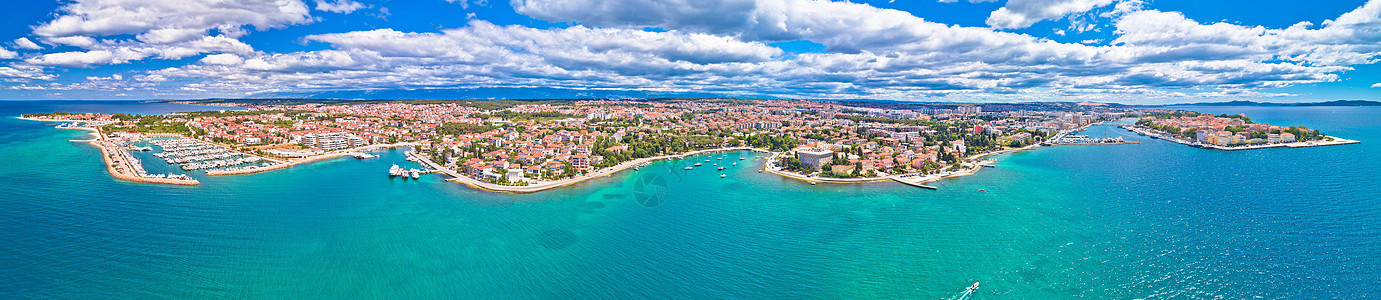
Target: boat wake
967	292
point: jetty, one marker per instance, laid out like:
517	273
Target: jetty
916	181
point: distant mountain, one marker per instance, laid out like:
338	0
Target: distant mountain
1253	103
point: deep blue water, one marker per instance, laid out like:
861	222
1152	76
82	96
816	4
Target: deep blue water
1151	220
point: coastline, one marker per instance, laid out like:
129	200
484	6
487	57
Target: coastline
105	155
290	163
1159	135
542	186
114	172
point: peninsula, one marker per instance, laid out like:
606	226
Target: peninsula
528	146
1227	132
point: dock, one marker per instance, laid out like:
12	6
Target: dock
1098	143
920	183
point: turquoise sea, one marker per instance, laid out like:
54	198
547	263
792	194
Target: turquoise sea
1152	220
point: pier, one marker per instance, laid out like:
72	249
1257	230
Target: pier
917	182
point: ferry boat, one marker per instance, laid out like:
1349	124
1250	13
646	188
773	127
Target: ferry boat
393	172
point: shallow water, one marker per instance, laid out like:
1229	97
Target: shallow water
1155	219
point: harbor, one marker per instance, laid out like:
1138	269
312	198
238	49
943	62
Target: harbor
1086	140
194	155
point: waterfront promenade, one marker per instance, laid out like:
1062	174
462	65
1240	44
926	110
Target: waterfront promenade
546	185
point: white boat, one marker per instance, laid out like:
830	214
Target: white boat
740	158
688	168
723	175
394	171
415	173
721	168
735	164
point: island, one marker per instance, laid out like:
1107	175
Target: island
525	146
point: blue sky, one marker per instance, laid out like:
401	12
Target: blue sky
1126	51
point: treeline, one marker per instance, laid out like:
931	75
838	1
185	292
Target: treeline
536	116
46	115
649	146
456	129
774	143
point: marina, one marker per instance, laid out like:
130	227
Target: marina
194	155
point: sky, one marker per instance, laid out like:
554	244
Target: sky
1122	51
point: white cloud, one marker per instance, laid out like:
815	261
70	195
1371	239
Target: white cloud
1377	85
222	59
340	6
1352	39
78	41
164	29
723	46
1022	13
877	53
110	17
25	43
465	4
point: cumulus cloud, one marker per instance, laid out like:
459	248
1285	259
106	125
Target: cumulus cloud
25	43
165	29
724	46
22	73
1022	13
466	3
7	54
340	6
109	17
1351	39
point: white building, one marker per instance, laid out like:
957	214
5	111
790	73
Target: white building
813	159
331	140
